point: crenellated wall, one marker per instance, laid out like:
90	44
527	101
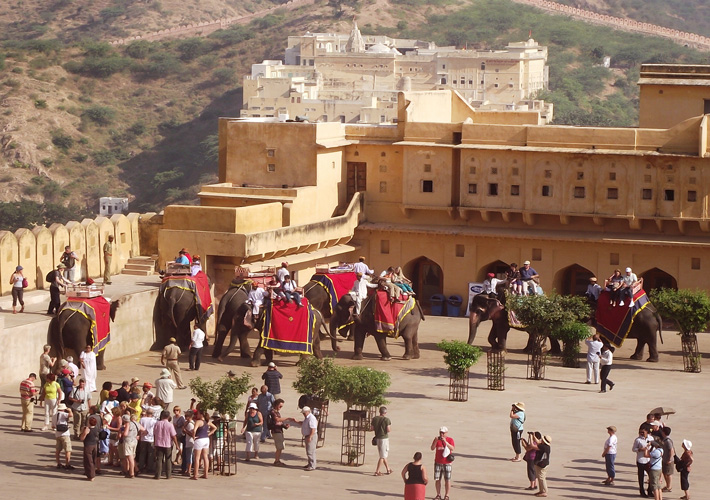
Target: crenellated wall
39	249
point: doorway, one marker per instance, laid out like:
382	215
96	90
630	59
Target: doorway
427	278
356	178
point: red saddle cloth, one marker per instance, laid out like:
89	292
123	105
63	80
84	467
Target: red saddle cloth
336	284
287	327
615	322
199	285
389	315
98	311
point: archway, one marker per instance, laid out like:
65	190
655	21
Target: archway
658	278
573	280
497	267
427	278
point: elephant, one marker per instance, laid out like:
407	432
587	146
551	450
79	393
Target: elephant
365	324
230	320
484	308
70	330
644	327
260	349
174	311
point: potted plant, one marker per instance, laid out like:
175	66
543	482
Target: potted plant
314	381
459	358
571	334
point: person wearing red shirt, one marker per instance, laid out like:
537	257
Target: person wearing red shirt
444	446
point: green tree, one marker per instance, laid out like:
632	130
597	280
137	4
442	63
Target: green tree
315	377
359	385
689	309
571	334
222	394
100	115
543	314
459	356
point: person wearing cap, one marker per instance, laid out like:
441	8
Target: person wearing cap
60	423
80	399
147	395
362	268
606	360
58	281
654	452
542	462
169	358
443	446
641	444
87	359
594	350
252	429
197	342
28	393
627	287
528	274
67	385
272	378
382	426
17	280
108	258
685	462
309	430
517	419
282	272
164	387
668	455
593	290
609	455
108	405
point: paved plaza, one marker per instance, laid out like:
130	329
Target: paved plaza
575	415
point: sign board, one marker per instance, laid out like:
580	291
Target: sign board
473	290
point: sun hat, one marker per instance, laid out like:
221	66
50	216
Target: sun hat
252	406
628	269
134	380
526	263
688	445
519	406
444	429
61	407
611	428
126	418
172	339
547	439
19	268
306	409
164	373
593	279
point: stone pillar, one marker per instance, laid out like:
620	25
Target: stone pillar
77	241
8	262
92	250
45	257
27	255
133	219
123	233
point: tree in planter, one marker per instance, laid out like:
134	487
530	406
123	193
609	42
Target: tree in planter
571	334
542	315
222	394
459	358
314	380
690	309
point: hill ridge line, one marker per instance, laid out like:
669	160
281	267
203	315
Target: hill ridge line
681	37
207	27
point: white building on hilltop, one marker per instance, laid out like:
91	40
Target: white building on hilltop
110	206
354	78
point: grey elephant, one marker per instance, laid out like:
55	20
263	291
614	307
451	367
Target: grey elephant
365	325
70	330
646	323
230	321
173	314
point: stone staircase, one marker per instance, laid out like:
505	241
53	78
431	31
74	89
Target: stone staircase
140	266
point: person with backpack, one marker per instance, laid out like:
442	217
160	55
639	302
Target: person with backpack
56	280
69	259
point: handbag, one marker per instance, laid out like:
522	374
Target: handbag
25	283
374	441
62	428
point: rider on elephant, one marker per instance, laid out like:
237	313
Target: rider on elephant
359	291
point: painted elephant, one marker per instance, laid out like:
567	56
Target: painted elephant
230	320
71	330
174	311
320	323
647	323
365	325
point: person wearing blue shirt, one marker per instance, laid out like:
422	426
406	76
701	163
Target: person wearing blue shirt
517	419
182	259
527	274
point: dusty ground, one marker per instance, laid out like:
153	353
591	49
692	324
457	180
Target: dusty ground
574	414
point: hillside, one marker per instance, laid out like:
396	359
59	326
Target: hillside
80	119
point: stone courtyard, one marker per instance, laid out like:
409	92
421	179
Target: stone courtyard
575	415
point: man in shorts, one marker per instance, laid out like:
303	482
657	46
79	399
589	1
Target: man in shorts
278	425
444	446
60	422
382	427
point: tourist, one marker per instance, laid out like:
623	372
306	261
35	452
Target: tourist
87	359
264	402
654	452
641	444
272	378
52	396
627	287
58	281
187	449
80	402
46	362
517	419
668	456
114	428
513	277
196	344
169	358
382	426
529	457
607	358
613	285
362	268
252	429
201	433
443	445
109	404
309	430
69	259
28	394
18	282
131	430
528	275
179	423
685	462
164	387
542	461
73	367
415	479
594	349
145	454
90	437
164	436
609	455
278	424
147	396
60	424
399	279
182	258
124	392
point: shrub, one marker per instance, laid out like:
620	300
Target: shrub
97	49
315	377
159	65
12	83
571	334
359	385
690	309
224	75
231	36
62	140
222	394
110	13
191	48
136	129
103	157
101	115
30	189
40	104
139	50
47	162
98	67
80	157
162	178
2	61
40	62
459	356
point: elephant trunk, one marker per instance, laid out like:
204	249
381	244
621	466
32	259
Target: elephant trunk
474	320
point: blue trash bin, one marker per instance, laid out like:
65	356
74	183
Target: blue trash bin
453	306
437	304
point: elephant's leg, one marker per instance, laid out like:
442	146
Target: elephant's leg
256	357
269	355
316	347
244	349
493	338
220	336
555	347
638	353
653	348
531	343
408	350
100	365
359	343
415	342
381	340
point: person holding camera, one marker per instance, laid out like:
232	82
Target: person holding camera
542	461
444	446
60	422
277	431
28	397
531	450
517	419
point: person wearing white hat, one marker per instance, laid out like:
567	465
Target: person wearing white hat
627	287
309	430
60	422
252	429
164	387
443	445
272	378
686	459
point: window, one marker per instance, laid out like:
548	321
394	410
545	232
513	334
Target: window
495	85
612	176
493	189
695	263
547	191
460	251
427	186
384	246
383	168
579	192
516	171
647	194
383	187
548	174
692	196
472	170
483	66
669	195
580	176
494	170
613	259
612	194
706	106
383	154
472	188
515	190
427	167
271	167
270	153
